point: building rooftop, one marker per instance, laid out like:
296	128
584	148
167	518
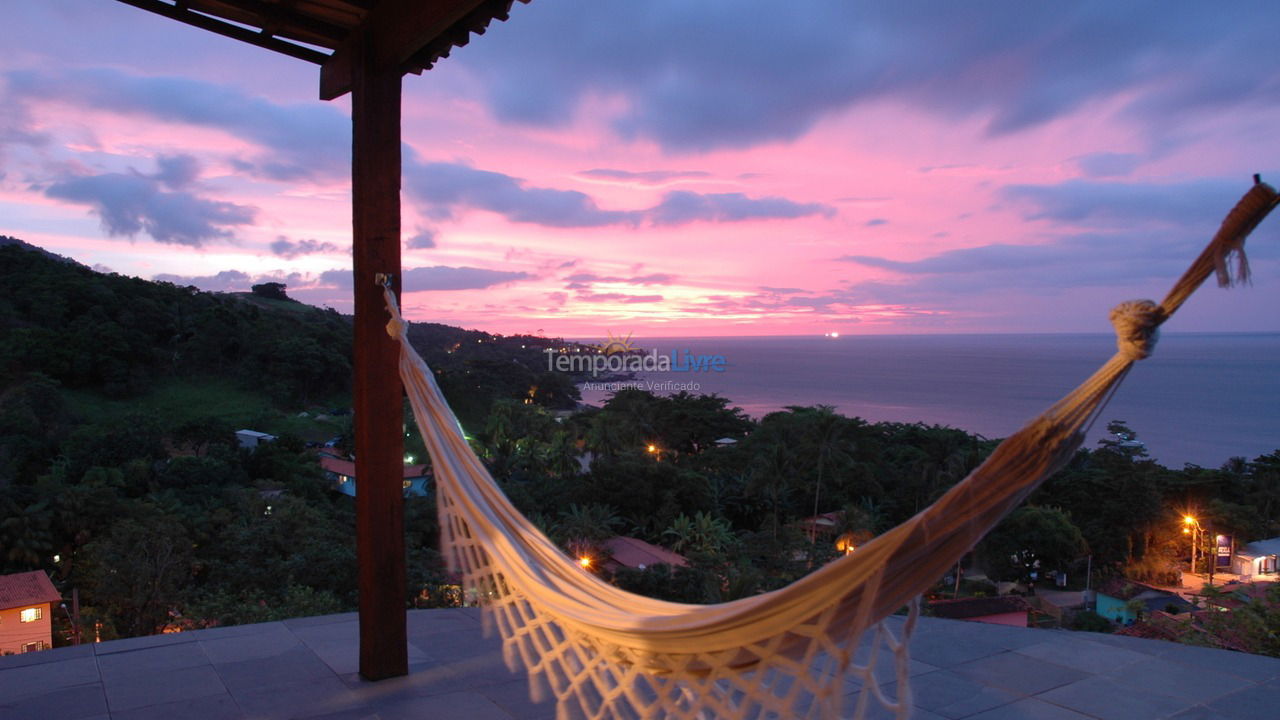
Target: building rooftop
27	588
306	668
1260	548
348	467
636	553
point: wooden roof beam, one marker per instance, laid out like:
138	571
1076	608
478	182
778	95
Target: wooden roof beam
398	29
230	30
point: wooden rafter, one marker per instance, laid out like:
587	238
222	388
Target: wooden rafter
184	14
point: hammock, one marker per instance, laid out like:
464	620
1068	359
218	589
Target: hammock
606	653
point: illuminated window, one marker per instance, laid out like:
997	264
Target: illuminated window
31	614
34	646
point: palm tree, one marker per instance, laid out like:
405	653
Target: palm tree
592	522
27	540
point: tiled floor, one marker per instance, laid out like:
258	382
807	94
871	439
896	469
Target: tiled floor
307	668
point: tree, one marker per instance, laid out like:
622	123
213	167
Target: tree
591	523
270	290
139	573
702	533
1030	542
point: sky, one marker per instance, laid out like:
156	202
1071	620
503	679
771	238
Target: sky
674	168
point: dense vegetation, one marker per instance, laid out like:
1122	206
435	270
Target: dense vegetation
121	476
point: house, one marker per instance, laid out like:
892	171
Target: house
253	438
1257	558
1116	600
1001	610
342	474
26	612
637	554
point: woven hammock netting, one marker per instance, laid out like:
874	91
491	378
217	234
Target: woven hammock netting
601	652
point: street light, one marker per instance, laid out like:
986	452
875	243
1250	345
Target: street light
1191	526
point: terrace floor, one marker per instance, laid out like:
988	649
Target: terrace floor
306	668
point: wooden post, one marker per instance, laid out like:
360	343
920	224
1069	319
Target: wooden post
375	196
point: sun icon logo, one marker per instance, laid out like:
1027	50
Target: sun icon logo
617	344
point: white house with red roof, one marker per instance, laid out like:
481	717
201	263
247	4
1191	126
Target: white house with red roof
341	472
26	612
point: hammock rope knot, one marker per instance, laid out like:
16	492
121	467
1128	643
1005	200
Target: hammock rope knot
396	326
1137	324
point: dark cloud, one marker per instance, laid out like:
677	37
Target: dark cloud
701	75
176	172
290	249
1122	260
583	279
873	222
681	206
1103	234
132	203
1200	203
445	188
442	277
649	177
301	141
423	240
437	277
1108	164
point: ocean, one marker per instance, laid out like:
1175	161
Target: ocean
1202	398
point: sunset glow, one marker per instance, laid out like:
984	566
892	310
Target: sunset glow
669	168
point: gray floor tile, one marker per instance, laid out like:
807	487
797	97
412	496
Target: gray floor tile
151	660
954	696
421	681
214	707
1081	654
466	704
1253	667
1253	703
1106	699
311	697
1192	684
295	665
28	680
338	645
950	648
1200	712
513	697
267	640
130	692
305	669
1018	673
68	703
1029	709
